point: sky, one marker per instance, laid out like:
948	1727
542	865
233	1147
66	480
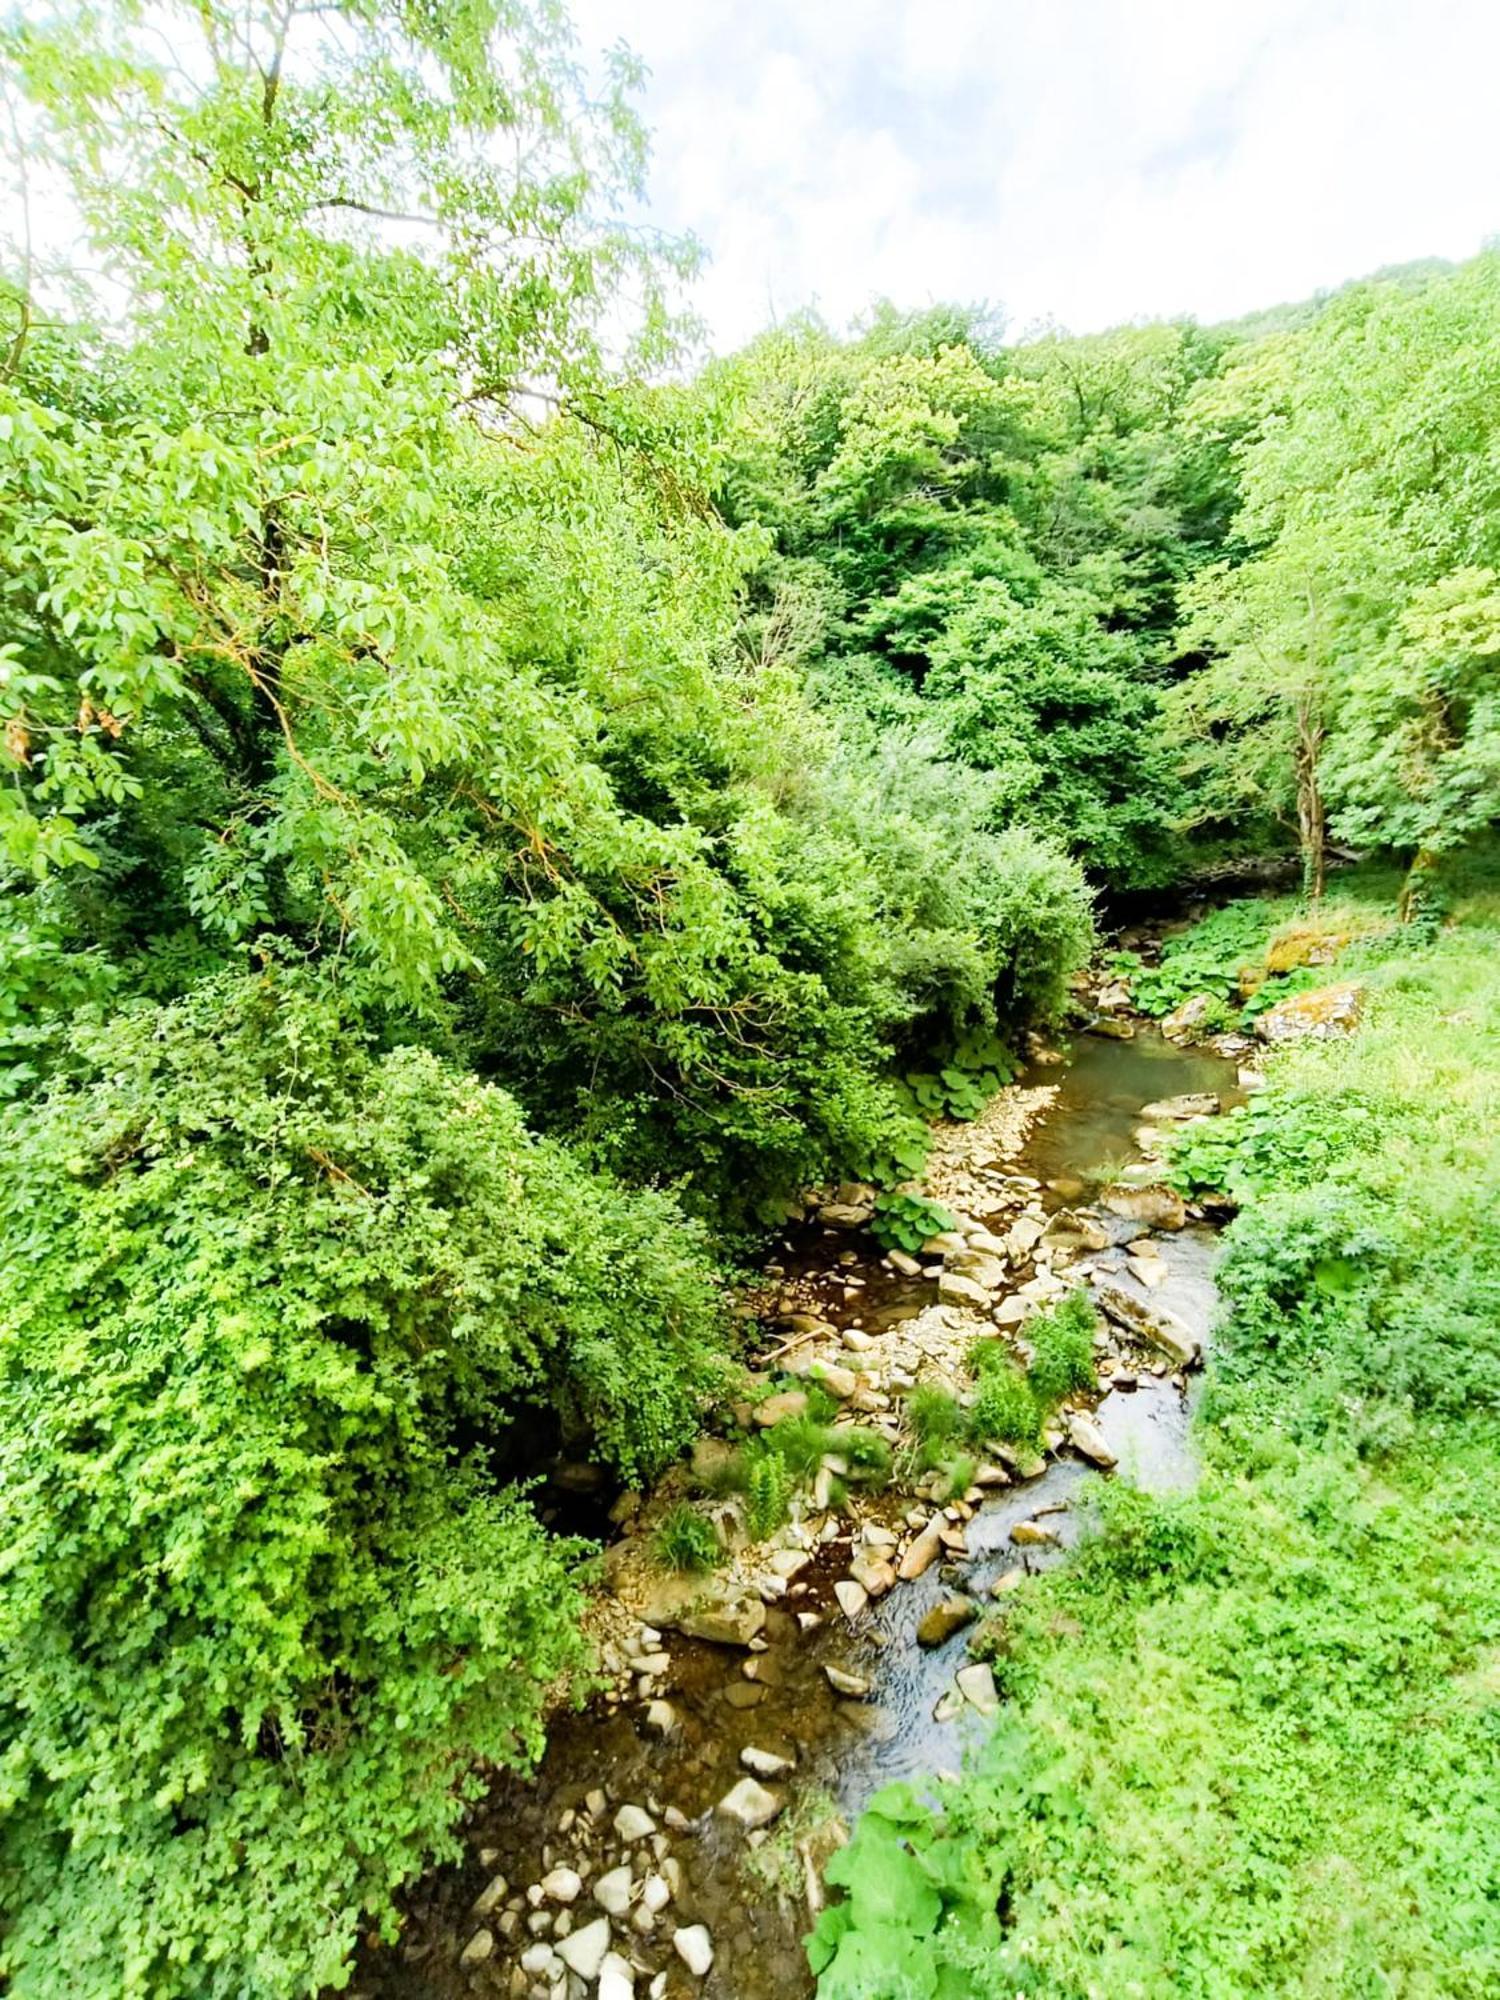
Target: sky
1070	162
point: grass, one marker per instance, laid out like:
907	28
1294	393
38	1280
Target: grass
1251	1736
685	1540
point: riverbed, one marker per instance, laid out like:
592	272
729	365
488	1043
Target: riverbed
751	1890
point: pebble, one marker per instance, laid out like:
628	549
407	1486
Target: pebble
563	1885
976	1683
855	1686
631	1823
478	1949
655	1894
612	1891
695	1948
491	1895
766	1763
616	1978
583	1951
853	1598
750	1803
661	1718
539	1959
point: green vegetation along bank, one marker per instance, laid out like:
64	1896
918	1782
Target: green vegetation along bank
1249	1741
490	816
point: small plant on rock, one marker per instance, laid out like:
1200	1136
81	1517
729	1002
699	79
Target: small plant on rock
685	1540
905	1221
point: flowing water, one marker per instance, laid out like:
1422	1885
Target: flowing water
844	1750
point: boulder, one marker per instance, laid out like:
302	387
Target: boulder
1156	1206
948	1616
1191	1104
725	1624
1153	1324
1192	1019
785	1403
1032	1535
1319	1016
1089	1441
922	1552
750	1804
954	1289
976	1683
853	1598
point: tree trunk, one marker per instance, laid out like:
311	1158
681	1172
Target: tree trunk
1312	825
1418	869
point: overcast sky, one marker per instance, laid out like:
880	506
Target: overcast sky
1076	161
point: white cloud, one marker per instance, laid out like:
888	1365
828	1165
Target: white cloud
1081	160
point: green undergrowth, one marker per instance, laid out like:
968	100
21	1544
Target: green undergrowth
1250	1743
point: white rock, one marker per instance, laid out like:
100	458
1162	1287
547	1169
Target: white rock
612	1891
658	1987
478	1949
540	1960
766	1763
563	1885
852	1597
695	1948
583	1951
977	1685
750	1803
491	1896
616	1978
855	1686
661	1718
655	1894
631	1823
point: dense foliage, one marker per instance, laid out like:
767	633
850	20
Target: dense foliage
1250	1738
488	820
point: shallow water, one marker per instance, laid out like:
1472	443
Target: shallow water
845	1750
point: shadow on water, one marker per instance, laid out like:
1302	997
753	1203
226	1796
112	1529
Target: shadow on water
844	1750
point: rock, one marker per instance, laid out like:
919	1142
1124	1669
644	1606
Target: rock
632	1823
562	1885
987	1477
785	1403
949	1706
945	1618
539	1960
959	1291
1319	1016
990	1245
947	1243
845	1214
1111	1028
1151	1323
875	1535
857	1341
985	1271
656	1893
1023	1463
839	1382
612	1891
695	1948
976	1683
1192	1104
853	1597
790	1562
766	1763
1011	1311
478	1949
661	1718
1089	1441
745	1694
490	1897
1007	1581
1187	1022
923	1551
750	1804
1148	1271
1023	1236
726	1624
873	1574
1032	1535
854	1686
1156	1206
583	1951
616	1978
906	1267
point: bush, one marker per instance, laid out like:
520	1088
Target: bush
768	1494
270	1301
1062	1349
1004	1410
685	1540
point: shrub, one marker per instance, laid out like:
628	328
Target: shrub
1004	1410
906	1221
685	1540
768	1493
1062	1344
267	1602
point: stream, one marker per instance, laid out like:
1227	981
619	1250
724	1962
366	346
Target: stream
750	1890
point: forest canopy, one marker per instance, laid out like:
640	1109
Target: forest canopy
492	810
